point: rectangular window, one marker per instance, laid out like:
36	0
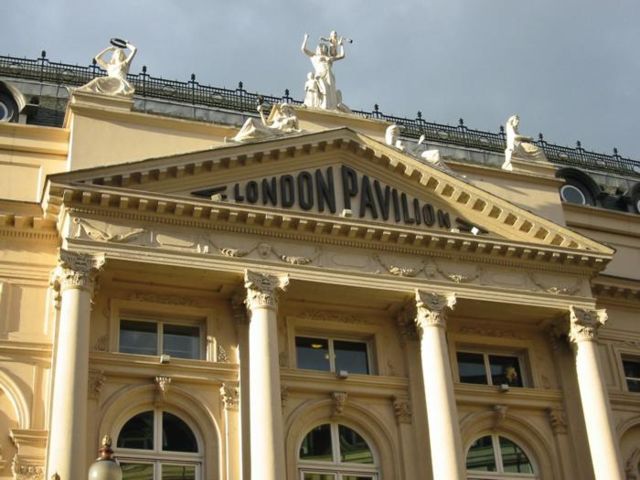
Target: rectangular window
632	373
146	337
332	355
490	369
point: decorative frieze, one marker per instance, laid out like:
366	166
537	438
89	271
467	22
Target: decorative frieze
584	324
262	289
431	309
230	396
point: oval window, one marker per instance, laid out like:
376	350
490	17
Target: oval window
572	194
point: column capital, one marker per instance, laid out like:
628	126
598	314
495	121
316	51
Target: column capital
262	289
584	324
77	270
431	309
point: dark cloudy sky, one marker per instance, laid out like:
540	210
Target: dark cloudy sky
570	68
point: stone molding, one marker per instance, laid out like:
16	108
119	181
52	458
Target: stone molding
584	324
262	289
401	409
431	309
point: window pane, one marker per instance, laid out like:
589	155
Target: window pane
356	477
137	471
176	435
514	459
137	432
481	455
312	353
633	385
178	472
318	476
181	341
631	368
317	444
351	356
471	368
505	369
138	337
353	448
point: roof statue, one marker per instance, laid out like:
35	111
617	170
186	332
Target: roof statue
117	67
281	121
519	145
432	157
320	87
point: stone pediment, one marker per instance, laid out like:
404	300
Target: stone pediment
319	180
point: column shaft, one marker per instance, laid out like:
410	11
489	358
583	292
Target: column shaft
603	445
444	433
267	436
67	446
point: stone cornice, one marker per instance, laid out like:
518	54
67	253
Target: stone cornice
478	205
182	211
495	171
27	226
355	385
614	290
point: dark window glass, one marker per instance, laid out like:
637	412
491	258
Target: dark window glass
176	435
514	460
351	356
312	353
505	369
181	341
471	368
632	372
353	448
138	337
137	432
572	194
136	471
481	455
178	472
317	445
318	476
357	477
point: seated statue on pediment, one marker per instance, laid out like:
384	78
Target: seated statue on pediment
518	145
117	67
282	120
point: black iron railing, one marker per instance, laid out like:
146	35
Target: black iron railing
239	99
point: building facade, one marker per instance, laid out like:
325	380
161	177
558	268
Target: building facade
314	301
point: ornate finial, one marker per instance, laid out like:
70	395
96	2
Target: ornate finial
461	122
286	92
578	144
376	107
144	69
193	77
105	449
419	116
615	151
541	137
240	85
43	54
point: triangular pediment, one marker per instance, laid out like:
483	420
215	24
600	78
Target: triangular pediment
334	174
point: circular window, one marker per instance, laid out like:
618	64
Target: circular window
572	194
4	112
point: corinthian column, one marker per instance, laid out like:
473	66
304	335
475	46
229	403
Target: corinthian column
444	434
267	438
74	278
583	333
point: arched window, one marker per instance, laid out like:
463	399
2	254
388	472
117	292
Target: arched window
497	457
158	445
336	452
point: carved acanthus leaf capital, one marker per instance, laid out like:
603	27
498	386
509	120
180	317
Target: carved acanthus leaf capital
77	270
584	324
431	309
230	395
262	289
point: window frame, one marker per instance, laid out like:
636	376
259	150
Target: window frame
157	456
143	310
332	356
160	323
497	456
336	467
628	358
521	355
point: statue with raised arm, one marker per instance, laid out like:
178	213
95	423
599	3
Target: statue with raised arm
324	93
282	120
117	67
519	145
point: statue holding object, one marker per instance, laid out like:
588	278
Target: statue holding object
320	88
117	67
519	145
